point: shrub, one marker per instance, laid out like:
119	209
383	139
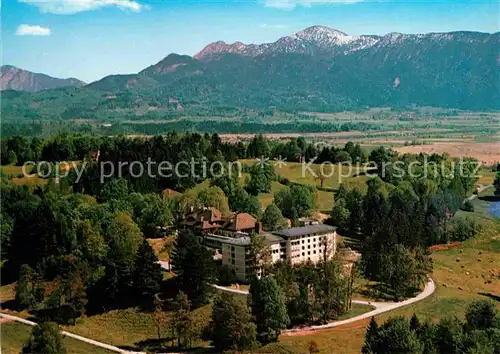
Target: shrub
467	206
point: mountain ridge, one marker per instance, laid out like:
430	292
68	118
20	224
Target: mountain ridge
14	78
319	69
317	39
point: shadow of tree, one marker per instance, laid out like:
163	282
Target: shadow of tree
490	198
381	292
167	344
491	296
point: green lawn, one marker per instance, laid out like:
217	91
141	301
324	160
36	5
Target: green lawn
15	173
15	335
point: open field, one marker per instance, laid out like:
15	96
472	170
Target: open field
14	335
17	177
486	153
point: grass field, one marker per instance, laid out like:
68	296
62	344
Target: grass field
295	172
15	335
15	173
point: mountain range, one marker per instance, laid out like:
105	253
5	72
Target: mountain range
12	78
316	69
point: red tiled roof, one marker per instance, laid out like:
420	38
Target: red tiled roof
239	222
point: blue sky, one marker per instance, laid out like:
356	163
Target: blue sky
90	39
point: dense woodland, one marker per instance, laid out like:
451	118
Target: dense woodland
479	333
77	248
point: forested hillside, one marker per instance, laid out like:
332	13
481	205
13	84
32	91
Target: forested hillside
455	70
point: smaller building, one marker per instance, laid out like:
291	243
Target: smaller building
211	220
208	220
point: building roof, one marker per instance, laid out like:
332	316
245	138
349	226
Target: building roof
241	221
270	238
239	241
305	230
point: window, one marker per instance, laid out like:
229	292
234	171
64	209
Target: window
308	246
303	247
303	254
308	253
308	240
314	252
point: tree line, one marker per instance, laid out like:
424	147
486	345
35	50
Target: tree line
397	217
479	333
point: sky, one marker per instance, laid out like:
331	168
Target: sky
90	39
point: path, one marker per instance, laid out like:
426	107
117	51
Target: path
72	335
380	307
479	191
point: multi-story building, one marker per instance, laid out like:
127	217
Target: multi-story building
231	236
311	243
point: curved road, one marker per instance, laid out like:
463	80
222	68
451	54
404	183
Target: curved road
380	307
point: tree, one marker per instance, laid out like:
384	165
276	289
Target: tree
116	189
403	270
467	206
414	323
147	273
369	347
160	317
258	147
296	202
340	214
354	203
480	315
28	289
194	266
45	339
241	202
232	326
380	157
332	290
394	336
91	244
259	180
182	321
313	347
496	183
213	197
273	220
269	310
259	255
150	212
124	239
76	294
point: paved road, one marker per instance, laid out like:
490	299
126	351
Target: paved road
380	307
230	290
479	191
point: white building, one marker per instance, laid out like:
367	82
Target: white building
311	243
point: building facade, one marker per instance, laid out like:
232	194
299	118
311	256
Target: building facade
313	243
